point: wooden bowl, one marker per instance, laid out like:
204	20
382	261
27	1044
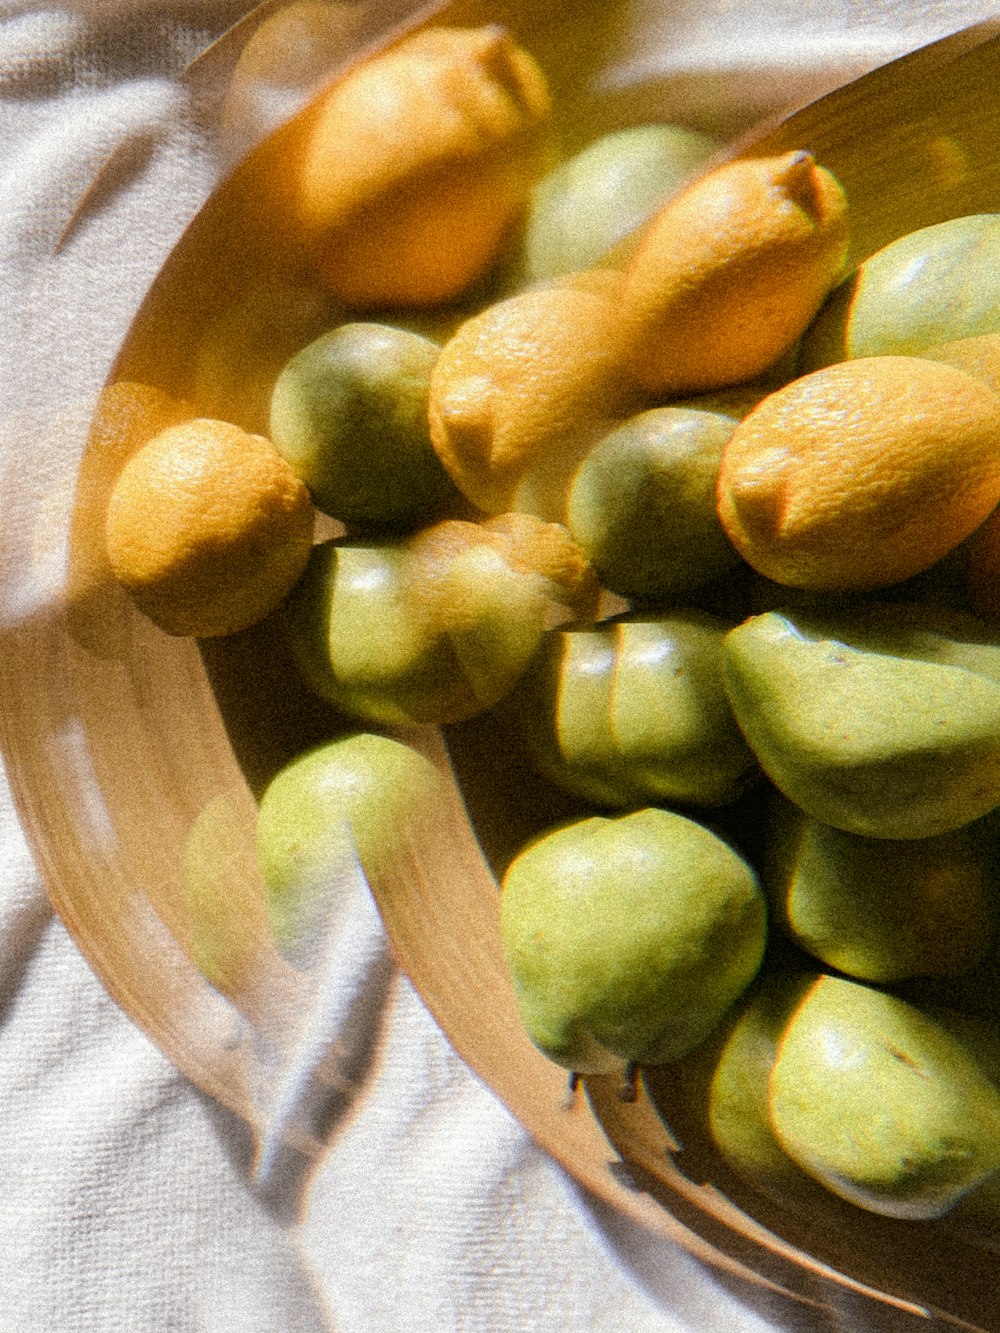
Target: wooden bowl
121	744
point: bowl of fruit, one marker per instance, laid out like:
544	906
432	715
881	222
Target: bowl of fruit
582	537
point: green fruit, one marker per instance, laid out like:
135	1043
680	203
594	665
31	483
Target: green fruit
642	505
726	1083
882	1104
225	914
349	414
361	644
977	1212
880	910
589	203
338	809
931	286
880	721
430	630
634	711
628	939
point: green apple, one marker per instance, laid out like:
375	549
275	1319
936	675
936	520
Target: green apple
881	1103
642	505
628	939
880	720
349	414
931	286
634	711
341	808
877	909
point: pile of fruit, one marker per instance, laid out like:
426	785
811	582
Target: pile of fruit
637	463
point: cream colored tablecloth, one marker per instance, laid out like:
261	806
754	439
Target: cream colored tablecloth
125	1202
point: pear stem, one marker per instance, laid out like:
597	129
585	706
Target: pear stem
629	1090
572	1085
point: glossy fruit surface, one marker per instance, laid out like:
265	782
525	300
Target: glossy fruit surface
880	720
932	285
628	939
642	504
634	710
881	1104
877	909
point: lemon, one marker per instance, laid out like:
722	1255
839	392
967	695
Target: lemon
413	168
861	474
731	271
208	528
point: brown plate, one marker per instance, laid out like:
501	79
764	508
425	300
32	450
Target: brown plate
118	739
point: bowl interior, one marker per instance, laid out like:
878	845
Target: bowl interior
121	741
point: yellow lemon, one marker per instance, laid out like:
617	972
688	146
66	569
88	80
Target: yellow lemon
861	474
730	272
523	390
208	528
414	166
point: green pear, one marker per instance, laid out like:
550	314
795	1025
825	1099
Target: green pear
349	414
590	202
877	909
359	643
634	711
341	807
226	912
642	504
977	1214
881	720
629	939
725	1083
881	1103
434	628
564	710
934	285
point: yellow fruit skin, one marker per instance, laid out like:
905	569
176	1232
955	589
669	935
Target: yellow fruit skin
416	164
732	270
861	474
978	356
523	390
208	528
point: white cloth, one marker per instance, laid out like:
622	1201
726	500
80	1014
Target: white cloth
127	1201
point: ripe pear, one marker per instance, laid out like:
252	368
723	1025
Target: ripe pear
628	939
880	909
437	627
339	808
933	285
584	206
633	710
881	1103
642	504
880	720
724	1083
349	414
